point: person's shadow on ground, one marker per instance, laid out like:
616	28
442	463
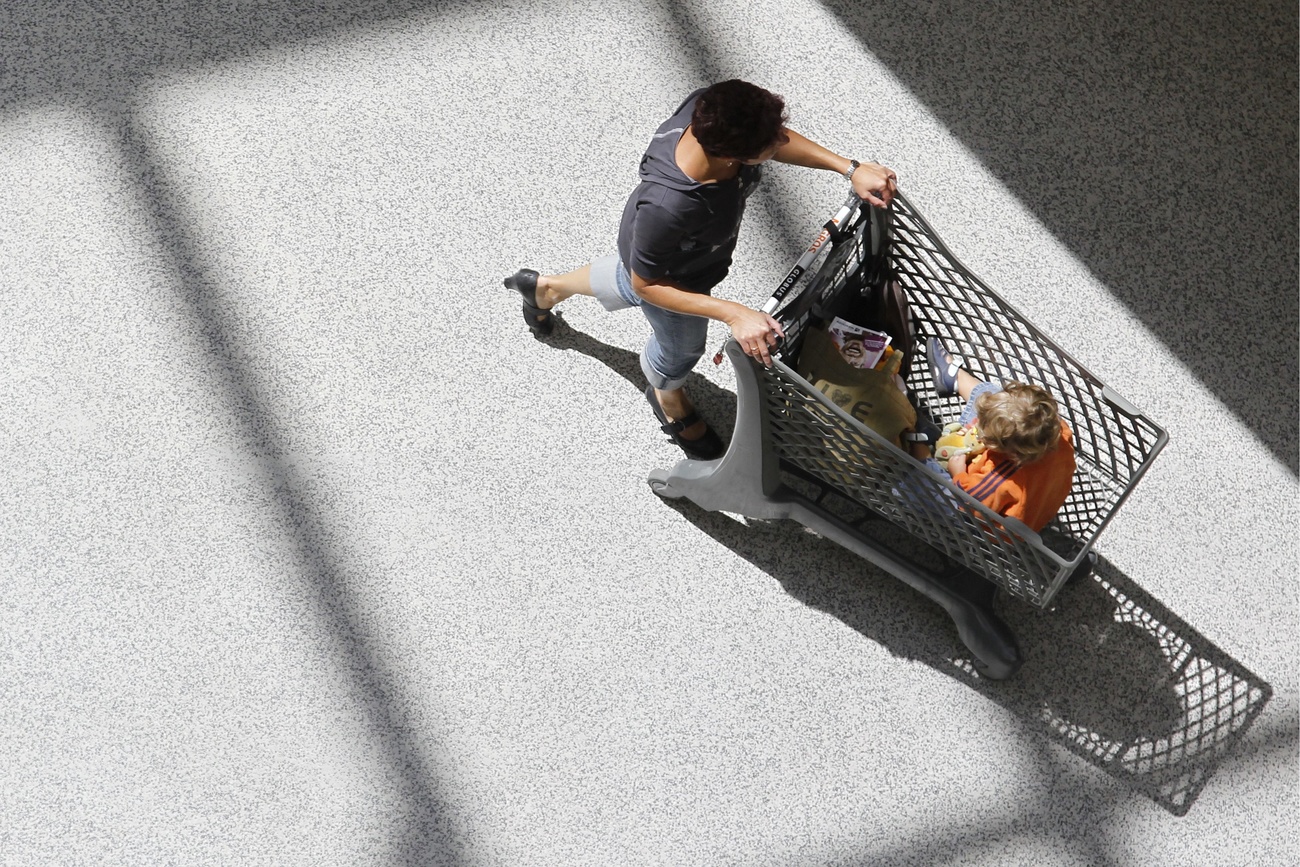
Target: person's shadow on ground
1110	672
716	405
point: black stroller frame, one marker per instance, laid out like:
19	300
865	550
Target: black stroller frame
795	454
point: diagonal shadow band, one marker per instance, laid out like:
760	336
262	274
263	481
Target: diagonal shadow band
1111	674
65	49
430	832
1169	170
960	841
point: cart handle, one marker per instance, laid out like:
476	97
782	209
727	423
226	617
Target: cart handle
830	230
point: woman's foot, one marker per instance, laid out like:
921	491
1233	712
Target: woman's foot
540	320
676	405
682	423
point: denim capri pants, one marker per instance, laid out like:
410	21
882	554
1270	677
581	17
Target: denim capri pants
678	340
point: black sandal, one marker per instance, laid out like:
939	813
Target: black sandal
524	281
704	448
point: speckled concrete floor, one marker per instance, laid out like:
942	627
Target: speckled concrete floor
312	555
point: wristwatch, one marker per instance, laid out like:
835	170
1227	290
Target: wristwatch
853	167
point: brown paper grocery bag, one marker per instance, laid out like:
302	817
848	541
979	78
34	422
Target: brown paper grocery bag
870	396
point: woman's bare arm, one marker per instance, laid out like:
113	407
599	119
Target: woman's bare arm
871	181
754	330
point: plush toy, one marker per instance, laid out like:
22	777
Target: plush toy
958	441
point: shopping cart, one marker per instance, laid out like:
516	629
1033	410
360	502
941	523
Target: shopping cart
796	455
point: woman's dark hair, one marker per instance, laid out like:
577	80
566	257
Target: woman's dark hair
738	120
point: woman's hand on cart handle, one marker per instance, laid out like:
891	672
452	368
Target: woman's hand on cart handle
875	183
756	332
871	181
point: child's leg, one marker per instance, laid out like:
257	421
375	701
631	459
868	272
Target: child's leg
967	382
950	377
968	413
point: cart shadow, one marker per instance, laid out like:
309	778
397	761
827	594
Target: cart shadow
1110	672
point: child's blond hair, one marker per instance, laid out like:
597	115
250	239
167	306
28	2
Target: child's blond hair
1021	421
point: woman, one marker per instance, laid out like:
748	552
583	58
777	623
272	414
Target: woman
677	236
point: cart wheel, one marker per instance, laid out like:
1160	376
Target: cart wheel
658	481
1084	569
1002	671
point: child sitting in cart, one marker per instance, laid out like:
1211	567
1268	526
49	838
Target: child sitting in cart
1028	465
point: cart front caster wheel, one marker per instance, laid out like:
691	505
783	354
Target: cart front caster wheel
658	482
1000	671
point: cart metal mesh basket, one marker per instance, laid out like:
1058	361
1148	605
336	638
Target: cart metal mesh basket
1115	443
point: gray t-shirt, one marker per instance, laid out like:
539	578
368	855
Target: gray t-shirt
677	229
